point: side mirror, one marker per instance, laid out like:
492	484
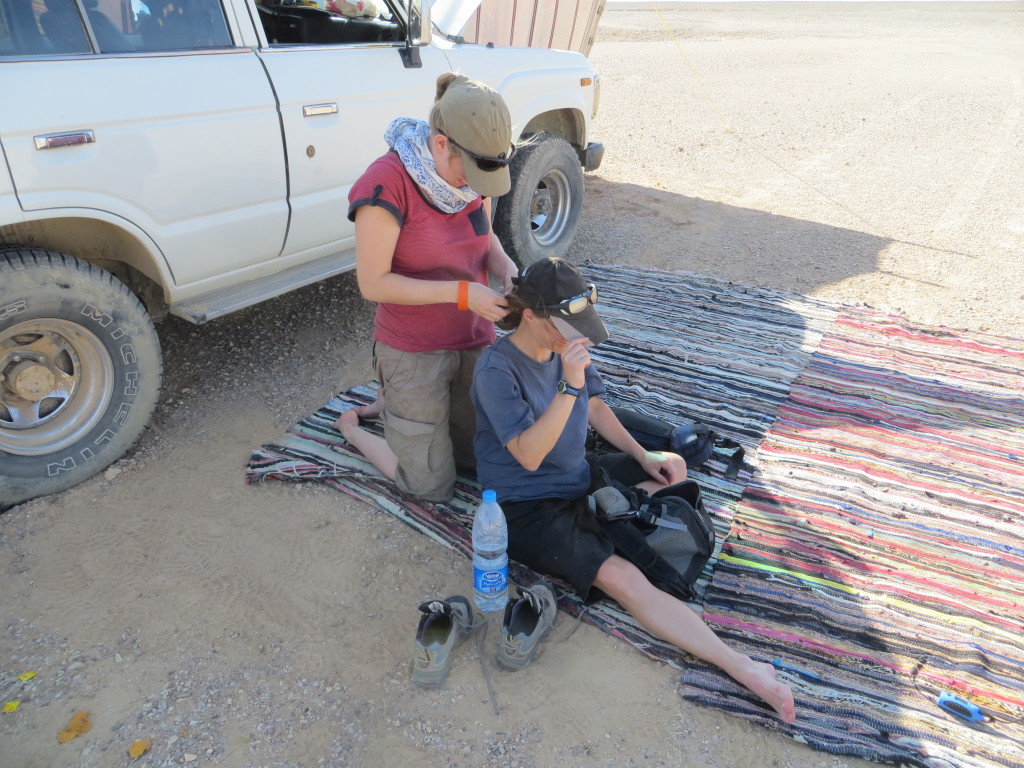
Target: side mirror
417	14
419	10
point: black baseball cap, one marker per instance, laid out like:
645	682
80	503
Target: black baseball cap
554	288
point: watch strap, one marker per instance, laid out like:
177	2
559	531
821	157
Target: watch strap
563	388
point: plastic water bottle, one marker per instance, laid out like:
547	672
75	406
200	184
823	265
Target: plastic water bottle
490	555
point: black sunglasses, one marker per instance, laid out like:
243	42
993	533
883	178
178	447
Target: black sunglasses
485	162
576	304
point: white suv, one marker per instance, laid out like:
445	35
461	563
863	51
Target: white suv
194	157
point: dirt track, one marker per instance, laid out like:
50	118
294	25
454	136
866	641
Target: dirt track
863	153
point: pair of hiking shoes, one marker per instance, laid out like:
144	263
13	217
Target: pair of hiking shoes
446	623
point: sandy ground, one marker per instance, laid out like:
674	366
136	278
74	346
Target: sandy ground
866	153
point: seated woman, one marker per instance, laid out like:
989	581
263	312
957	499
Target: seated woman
535	391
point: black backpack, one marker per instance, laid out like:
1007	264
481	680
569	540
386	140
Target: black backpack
669	536
692	440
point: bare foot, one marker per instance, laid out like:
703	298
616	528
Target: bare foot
347	420
371	411
373	447
760	678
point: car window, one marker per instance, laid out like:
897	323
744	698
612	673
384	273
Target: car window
22	33
166	25
328	22
33	27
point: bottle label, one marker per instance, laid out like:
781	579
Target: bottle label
490	582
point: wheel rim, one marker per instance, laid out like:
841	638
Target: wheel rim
56	380
550	208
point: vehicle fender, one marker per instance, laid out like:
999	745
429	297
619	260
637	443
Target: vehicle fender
10	211
536	82
95	236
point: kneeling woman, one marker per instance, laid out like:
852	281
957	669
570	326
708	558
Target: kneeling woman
535	392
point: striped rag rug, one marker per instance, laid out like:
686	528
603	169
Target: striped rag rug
870	547
877	557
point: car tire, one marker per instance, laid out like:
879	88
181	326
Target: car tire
540	214
80	365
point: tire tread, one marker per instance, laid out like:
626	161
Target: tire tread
23	258
511	221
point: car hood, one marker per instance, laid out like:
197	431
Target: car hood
452	15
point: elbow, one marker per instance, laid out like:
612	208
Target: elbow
368	289
530	466
529	463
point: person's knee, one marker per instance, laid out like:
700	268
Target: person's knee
426	466
619	578
437	486
433	492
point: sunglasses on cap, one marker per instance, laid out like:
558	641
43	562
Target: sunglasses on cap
485	162
576	304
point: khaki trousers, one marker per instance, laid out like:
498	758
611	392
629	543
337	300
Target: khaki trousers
429	421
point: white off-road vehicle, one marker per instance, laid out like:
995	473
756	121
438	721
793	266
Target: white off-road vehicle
194	157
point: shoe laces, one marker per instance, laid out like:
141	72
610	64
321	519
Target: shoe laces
538	599
437	606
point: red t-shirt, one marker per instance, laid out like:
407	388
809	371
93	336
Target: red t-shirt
431	246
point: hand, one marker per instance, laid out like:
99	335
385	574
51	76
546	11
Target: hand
486	303
506	280
575	358
666	468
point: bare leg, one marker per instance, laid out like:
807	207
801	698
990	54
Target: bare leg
650	486
672	620
372	447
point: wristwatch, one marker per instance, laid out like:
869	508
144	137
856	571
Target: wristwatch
564	389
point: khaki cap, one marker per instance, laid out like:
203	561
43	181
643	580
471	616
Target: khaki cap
476	118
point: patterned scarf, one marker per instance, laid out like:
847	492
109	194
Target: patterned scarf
410	139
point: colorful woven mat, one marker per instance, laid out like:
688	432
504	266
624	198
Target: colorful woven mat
721	352
878	554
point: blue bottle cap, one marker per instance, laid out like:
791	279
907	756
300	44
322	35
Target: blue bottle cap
490	496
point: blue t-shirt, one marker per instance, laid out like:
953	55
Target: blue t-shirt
510	392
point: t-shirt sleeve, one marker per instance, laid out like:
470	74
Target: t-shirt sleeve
380	185
595	384
499	398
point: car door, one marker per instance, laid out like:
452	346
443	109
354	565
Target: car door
152	116
339	88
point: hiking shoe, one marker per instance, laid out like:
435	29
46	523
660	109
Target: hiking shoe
528	620
443	625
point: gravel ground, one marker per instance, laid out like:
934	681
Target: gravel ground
858	152
864	153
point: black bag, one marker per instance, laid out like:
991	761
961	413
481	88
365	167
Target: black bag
669	536
694	441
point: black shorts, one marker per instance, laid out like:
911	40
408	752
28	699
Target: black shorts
561	537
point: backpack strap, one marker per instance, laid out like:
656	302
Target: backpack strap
732	468
645	514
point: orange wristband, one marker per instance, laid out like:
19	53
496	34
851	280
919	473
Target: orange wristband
463	294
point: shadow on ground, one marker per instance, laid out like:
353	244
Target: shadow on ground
630	224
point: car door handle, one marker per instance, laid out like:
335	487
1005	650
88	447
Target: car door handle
66	139
312	110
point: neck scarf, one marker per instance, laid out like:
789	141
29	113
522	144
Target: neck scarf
411	140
